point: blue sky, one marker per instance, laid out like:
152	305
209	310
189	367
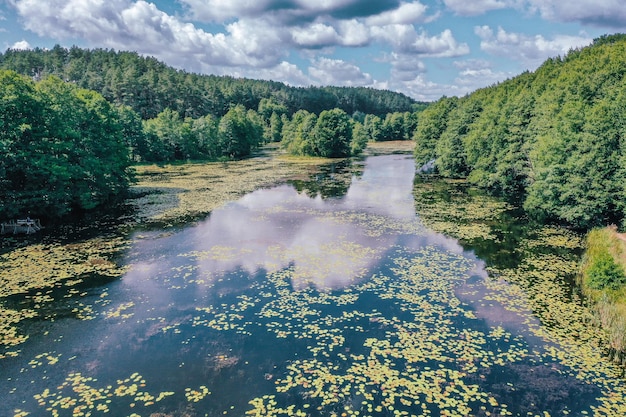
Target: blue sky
424	49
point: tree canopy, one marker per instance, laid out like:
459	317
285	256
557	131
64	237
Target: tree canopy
553	139
63	148
149	86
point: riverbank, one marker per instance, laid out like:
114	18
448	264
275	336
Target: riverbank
603	281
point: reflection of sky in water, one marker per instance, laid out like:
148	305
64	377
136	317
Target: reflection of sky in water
272	229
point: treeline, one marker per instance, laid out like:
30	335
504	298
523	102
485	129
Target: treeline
554	139
149	86
335	134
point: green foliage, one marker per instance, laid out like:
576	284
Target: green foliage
600	269
333	134
604	272
359	139
552	139
298	134
395	126
239	133
433	121
64	148
149	86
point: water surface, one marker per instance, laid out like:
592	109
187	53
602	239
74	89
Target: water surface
290	302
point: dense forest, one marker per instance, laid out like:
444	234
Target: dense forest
554	139
149	86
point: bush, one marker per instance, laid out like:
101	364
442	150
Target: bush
603	272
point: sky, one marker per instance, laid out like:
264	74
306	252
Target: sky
424	49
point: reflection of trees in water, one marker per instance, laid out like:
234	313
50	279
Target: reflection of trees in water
331	181
533	389
491	228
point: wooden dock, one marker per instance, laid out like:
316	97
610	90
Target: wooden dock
26	226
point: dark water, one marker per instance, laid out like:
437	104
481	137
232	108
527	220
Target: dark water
321	298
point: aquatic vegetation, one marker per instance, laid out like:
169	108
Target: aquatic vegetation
602	279
540	281
171	193
37	267
283	305
82	396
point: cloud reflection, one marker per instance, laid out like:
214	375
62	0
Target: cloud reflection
319	240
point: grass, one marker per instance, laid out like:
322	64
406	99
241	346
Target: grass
602	279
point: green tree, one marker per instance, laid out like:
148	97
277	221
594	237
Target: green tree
433	121
65	148
359	139
237	134
374	127
164	137
298	134
333	134
21	134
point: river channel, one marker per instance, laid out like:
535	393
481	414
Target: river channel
290	302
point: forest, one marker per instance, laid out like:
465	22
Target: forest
149	86
552	140
73	122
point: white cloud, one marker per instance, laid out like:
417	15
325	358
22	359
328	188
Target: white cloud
315	35
404	67
472	64
141	26
407	13
474	78
420	88
406	40
21	45
529	50
338	72
353	33
286	72
603	13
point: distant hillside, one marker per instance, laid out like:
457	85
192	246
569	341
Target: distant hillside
149	86
554	139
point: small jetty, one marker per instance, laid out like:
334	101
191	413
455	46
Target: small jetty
27	226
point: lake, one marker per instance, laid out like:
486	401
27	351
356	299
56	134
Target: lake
316	298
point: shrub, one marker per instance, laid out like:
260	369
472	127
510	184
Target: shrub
603	272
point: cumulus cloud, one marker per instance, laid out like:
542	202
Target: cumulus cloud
404	67
285	72
338	72
21	45
422	89
406	13
602	13
316	35
141	26
529	50
471	79
405	39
